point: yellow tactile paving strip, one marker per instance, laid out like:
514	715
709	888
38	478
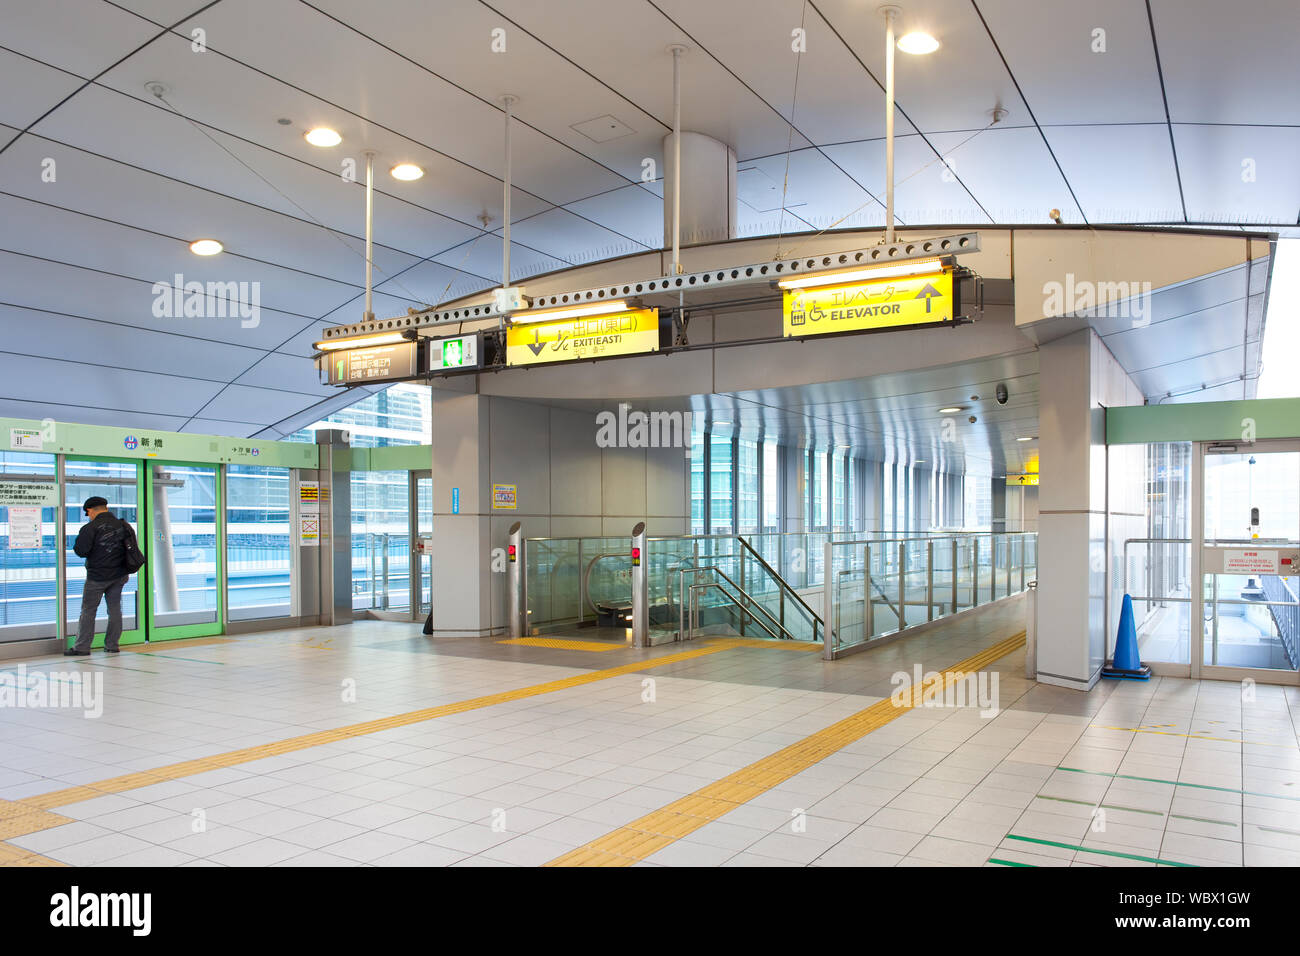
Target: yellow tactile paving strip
30	815
596	646
640	838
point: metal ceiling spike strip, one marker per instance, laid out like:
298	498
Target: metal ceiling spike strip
756	273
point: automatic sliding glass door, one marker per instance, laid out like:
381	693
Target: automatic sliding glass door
118	481
185	551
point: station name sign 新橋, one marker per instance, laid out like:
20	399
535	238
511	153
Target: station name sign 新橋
587	337
866	305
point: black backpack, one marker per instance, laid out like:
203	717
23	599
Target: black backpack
133	557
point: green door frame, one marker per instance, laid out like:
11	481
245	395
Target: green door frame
138	634
180	631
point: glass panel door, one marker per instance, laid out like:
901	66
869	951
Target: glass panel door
1251	594
29	547
185	551
118	482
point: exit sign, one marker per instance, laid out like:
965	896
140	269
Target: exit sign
449	355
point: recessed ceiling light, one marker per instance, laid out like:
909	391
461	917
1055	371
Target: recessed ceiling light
1026	438
951	409
406	171
917	43
205	247
323	136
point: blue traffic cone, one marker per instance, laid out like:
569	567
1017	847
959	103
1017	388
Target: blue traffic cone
1127	664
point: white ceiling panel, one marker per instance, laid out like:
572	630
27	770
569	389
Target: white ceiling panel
1200	42
94	342
73	35
925	191
421	34
314	53
121	389
951	89
434	283
246	403
836	99
1216	164
1048	45
1119	173
43	285
37	229
1011	172
29	87
633	211
279	370
632	59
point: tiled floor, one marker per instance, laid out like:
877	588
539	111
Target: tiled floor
1131	774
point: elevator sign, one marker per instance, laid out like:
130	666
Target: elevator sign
588	337
864	306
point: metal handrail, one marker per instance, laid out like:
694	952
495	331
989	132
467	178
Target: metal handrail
695	588
780	624
745	610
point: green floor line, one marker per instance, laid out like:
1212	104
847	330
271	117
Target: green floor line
1222	823
1086	849
1179	783
1113	806
994	859
1082	803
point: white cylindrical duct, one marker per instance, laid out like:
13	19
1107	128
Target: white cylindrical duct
708	206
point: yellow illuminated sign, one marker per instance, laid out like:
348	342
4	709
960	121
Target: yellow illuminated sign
875	304
588	337
1022	479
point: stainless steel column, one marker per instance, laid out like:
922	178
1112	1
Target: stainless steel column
515	573
640	588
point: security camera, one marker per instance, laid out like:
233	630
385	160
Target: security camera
1002	394
973	419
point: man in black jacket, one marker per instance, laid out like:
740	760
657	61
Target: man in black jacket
102	542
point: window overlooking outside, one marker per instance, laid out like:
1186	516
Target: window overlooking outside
747	486
697	478
816	489
771	487
977	493
839	490
721	520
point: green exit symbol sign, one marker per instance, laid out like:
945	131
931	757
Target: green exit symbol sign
453	353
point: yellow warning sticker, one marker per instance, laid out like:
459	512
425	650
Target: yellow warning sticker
876	304
587	337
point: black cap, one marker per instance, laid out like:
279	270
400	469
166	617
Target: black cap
95	502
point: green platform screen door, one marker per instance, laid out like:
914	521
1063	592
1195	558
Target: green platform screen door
186	550
118	481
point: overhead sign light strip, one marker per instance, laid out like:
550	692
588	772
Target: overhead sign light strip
863	306
589	337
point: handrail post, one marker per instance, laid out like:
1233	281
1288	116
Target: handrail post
740	554
870	616
1023	560
953	577
829	630
975	572
902	585
929	580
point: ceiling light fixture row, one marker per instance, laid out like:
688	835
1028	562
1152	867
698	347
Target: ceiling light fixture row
325	138
754	274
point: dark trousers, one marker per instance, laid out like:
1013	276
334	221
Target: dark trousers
90	595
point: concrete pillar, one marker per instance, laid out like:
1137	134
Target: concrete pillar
1081	379
708	189
462	509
